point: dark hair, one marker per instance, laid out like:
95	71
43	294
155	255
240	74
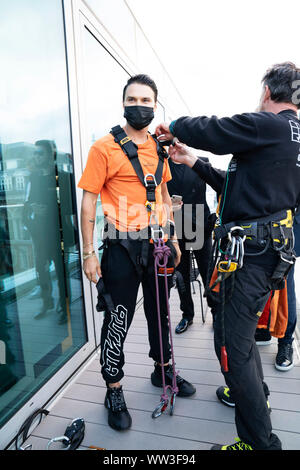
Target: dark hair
280	79
143	80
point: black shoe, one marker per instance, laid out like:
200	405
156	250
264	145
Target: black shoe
262	337
223	394
186	389
284	358
239	445
183	325
118	415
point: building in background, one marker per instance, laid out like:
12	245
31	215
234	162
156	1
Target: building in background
64	66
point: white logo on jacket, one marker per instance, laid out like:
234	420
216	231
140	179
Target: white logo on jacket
295	130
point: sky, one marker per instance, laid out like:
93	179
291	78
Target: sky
217	51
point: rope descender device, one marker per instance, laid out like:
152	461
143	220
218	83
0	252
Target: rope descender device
161	255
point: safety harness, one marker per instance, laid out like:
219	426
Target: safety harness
231	239
149	181
139	254
155	234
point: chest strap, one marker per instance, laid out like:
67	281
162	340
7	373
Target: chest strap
149	181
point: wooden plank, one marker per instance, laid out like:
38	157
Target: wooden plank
204	393
171	426
186	407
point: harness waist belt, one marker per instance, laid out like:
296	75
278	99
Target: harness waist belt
259	230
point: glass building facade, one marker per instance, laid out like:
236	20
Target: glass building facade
42	314
64	66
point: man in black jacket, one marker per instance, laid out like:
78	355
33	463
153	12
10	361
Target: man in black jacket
262	188
186	183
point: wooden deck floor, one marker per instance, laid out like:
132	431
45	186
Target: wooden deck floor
198	422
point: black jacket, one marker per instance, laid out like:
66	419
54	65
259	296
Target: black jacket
186	183
264	174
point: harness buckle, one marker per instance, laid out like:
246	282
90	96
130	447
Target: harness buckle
125	140
150	206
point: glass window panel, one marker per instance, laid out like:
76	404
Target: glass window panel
103	98
104	82
117	18
42	321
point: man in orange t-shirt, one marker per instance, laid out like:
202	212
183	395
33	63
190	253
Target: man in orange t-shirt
125	265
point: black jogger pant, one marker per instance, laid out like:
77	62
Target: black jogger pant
122	282
252	286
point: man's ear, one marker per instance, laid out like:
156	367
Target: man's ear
155	107
267	94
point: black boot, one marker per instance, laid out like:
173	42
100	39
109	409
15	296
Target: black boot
186	389
118	415
183	325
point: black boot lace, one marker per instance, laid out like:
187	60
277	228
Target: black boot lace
117	399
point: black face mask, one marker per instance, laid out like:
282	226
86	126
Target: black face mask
138	116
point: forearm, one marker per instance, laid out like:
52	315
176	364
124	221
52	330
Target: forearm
212	176
222	136
88	220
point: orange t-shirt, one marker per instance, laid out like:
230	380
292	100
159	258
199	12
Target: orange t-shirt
109	172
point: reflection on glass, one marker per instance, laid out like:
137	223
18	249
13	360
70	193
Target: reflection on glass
41	219
42	320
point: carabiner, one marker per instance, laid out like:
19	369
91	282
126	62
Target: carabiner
160	408
172	403
237	227
241	253
153	179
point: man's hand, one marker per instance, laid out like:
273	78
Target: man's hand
181	153
163	131
91	267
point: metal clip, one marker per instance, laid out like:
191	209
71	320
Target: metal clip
28	447
240	260
237	227
158	230
153	179
63	439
